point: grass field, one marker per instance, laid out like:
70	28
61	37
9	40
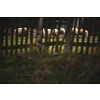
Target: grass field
44	68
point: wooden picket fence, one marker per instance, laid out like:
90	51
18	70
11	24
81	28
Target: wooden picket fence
90	45
80	44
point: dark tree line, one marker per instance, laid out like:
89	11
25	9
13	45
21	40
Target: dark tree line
29	21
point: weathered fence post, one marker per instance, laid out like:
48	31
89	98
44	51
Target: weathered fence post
39	35
68	36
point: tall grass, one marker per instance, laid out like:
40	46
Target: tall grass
44	68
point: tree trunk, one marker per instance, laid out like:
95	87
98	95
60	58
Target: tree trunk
39	35
68	36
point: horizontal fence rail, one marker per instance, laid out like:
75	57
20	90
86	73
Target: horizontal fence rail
19	35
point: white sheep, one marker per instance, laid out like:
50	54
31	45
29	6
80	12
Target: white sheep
62	31
86	32
20	31
81	31
48	32
55	31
